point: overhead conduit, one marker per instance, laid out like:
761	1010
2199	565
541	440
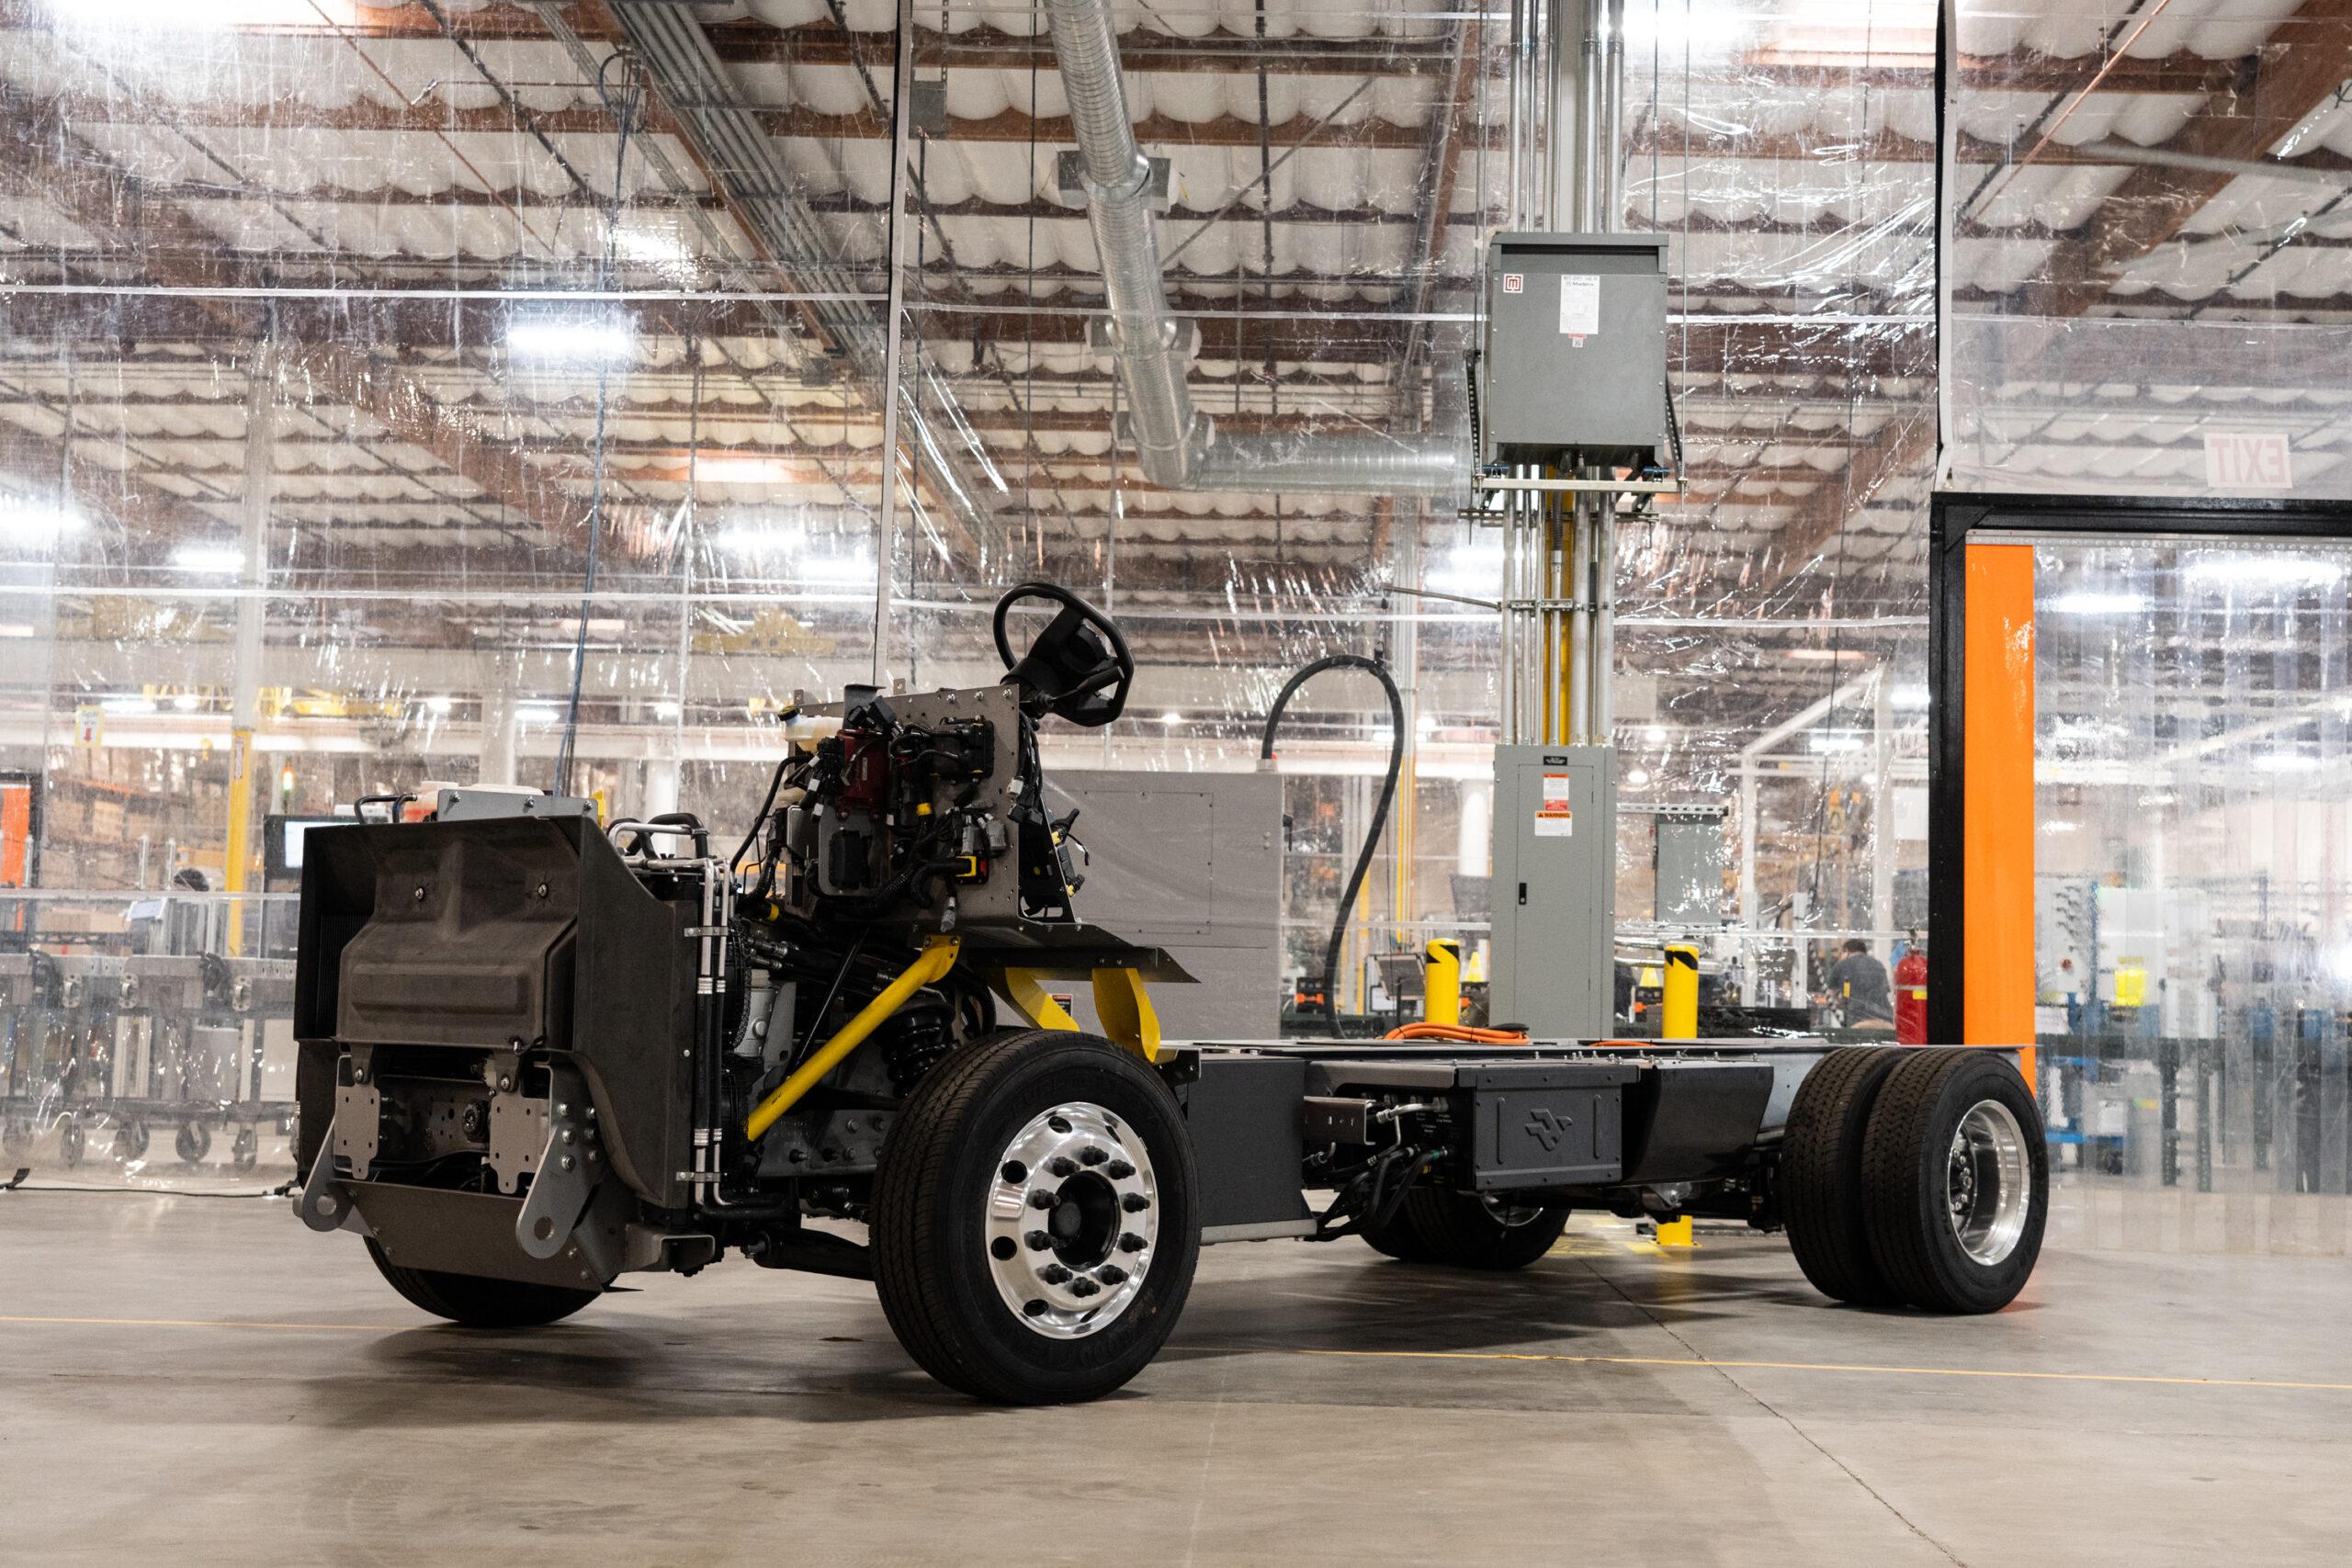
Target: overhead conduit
1179	447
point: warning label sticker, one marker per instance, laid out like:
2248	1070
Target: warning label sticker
1579	307
1554	819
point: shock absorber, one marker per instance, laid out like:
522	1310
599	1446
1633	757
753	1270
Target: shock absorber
916	1040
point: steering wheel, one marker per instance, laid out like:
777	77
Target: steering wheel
1079	667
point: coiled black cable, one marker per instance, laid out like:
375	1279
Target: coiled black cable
1380	813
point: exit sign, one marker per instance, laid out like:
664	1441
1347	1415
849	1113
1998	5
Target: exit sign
2248	460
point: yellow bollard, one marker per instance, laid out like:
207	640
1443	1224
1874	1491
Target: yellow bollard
1678	1016
1442	981
1676	1232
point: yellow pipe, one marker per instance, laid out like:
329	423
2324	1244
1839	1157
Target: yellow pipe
1442	981
241	833
1678	1015
937	958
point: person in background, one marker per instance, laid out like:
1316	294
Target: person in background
1858	981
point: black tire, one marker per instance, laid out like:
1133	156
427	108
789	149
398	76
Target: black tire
1916	1179
943	1163
192	1143
1821	1173
478	1302
1463	1231
1398	1239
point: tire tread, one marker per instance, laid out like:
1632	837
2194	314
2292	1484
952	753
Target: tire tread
1822	1177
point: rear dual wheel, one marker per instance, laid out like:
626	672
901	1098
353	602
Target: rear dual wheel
1916	1177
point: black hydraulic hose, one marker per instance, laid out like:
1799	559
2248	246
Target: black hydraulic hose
1380	813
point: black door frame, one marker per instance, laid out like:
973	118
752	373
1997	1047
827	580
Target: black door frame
1952	517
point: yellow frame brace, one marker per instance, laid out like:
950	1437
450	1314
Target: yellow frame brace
1120	1001
1125	1009
937	958
1023	989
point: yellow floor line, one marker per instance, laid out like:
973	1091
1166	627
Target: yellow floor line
205	1322
1829	1367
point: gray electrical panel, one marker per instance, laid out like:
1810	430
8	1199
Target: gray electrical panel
1553	962
1190	864
1574	353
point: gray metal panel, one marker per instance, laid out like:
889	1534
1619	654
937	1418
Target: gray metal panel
1244	1116
1554	891
1190	864
1689	868
1548	387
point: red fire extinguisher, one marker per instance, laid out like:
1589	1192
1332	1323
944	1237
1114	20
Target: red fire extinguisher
1911	998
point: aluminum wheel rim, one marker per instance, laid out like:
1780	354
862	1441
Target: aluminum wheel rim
1988	1182
1072	1221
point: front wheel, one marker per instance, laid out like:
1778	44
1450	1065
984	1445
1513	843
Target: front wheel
476	1301
1034	1227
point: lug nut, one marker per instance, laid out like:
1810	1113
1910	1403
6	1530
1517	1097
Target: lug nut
1052	1274
1041	1199
1135	1202
1132	1243
1090	1154
1118	1170
1084	1288
1112	1274
1037	1241
1062	1164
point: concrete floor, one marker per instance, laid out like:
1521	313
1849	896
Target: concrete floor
200	1381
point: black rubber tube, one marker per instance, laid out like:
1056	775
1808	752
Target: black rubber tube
1380	813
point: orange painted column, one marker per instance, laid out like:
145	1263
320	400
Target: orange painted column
1997	998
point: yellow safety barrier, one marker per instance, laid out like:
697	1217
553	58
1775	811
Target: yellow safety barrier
937	958
1442	981
1679	1013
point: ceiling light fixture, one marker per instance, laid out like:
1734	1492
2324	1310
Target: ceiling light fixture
2093	602
225	560
26	520
572	339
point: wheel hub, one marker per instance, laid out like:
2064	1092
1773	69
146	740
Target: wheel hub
1988	1182
1072	1221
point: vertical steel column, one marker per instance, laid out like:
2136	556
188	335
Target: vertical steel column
1883	840
1605	121
901	137
244	685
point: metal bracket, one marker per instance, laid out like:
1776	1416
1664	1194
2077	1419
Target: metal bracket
570	1166
325	1200
518	1132
358	1127
1589	486
1070	174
